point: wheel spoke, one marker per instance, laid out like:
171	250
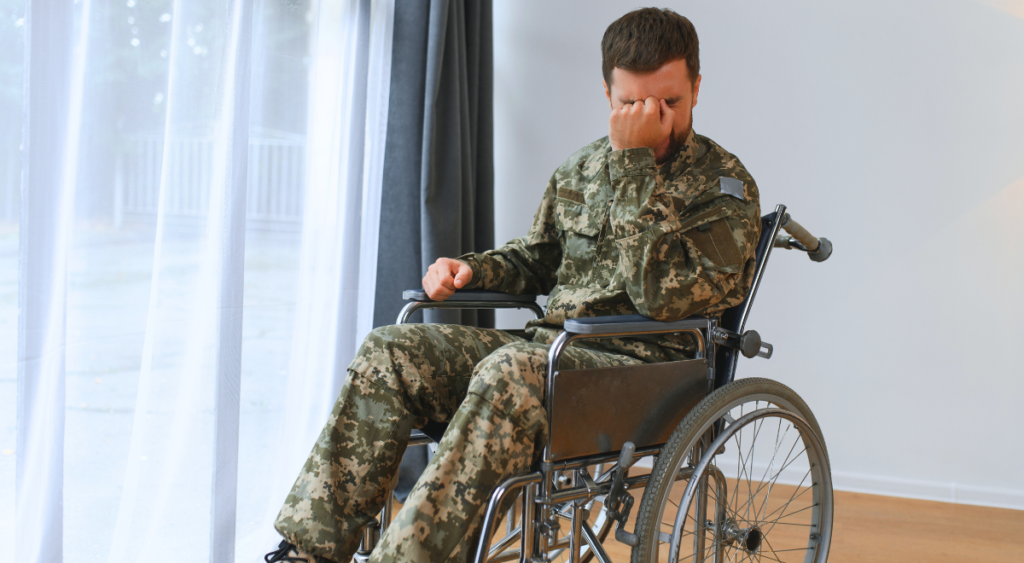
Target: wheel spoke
790	514
785	464
758	425
779	474
792	497
771	463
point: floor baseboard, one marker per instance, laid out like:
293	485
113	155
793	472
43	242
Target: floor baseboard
904	488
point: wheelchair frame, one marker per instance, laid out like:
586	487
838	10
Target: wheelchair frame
718	343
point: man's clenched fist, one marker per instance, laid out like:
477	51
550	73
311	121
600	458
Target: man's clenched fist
646	123
444	277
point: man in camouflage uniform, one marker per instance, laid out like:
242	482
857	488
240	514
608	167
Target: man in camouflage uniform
653	219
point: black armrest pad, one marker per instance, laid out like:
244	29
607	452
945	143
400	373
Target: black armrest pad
471	295
631	323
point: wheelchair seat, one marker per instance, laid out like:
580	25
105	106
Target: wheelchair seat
432	430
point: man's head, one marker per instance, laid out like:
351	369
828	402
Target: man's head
654	52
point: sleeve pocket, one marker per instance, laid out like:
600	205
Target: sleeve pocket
715	241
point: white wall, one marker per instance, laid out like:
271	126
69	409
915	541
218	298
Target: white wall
896	129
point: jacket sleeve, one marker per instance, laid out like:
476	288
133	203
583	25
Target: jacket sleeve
679	262
524	265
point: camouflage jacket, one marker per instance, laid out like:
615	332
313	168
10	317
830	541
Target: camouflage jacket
616	234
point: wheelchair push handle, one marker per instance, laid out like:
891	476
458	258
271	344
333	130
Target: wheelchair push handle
817	249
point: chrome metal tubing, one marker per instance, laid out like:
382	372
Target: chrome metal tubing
505	542
385	518
780	213
527	523
371	535
413	306
422	440
580	493
595	545
516	554
499	494
575	546
711	354
602	458
721	493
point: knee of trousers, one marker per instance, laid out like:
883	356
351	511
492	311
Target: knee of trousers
512	380
417	364
385	346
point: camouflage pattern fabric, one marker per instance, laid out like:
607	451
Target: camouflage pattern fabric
616	234
488	384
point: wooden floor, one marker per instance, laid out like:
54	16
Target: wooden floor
877	529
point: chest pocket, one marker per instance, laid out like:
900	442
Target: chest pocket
574	214
580	225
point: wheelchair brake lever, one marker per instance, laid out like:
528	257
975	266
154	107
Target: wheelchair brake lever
621	535
619	502
618	481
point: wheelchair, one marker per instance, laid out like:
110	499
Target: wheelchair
740	467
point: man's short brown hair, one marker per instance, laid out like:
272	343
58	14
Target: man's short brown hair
645	39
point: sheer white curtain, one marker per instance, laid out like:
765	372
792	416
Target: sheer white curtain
190	261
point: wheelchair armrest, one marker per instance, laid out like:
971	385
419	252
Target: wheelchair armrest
618	324
470	295
468	299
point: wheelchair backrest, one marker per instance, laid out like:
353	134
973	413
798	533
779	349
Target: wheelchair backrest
735	318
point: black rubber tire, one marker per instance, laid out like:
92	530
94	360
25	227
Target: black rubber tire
690	430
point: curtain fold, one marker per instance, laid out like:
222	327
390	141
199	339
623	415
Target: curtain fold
438	184
186	417
53	83
348	124
439	168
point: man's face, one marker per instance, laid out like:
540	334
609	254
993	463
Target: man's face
671	83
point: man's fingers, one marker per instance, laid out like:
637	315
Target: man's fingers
464	275
445	279
432	284
667	116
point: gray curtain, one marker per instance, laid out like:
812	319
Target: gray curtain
438	192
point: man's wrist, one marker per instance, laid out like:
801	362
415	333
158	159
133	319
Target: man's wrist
469	259
631	162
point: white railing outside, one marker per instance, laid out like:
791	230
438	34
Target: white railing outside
276	178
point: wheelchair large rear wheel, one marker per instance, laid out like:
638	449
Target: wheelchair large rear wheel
759	484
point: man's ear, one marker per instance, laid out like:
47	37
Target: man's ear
607	92
696	90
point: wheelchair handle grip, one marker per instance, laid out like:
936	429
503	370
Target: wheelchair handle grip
818	249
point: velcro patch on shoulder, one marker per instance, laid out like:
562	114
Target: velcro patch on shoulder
731	186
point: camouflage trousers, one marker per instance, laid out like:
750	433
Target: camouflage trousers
487	384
